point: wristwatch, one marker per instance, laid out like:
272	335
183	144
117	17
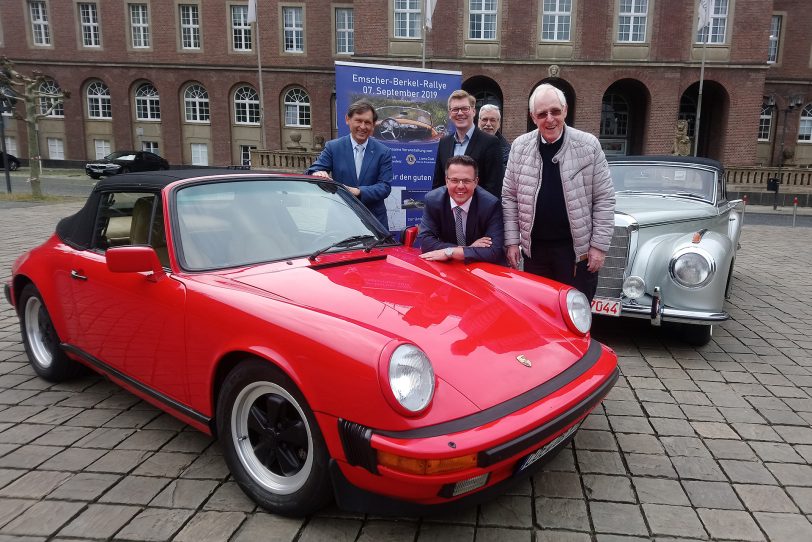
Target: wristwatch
449	251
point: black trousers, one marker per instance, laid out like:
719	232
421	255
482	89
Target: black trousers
557	262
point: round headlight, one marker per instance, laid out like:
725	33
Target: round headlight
579	311
411	377
691	267
634	287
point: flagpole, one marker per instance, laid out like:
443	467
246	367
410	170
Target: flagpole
423	49
261	89
701	79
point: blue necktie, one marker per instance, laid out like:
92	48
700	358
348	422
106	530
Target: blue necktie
359	159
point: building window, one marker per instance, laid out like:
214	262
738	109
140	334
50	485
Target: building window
89	17
246	106
345	37
407	19
775	37
805	128
139	25
200	154
555	20
245	154
56	149
189	26
196	104
102	148
297	108
40	29
11	145
631	24
765	121
614	116
50	100
150	146
240	28
98	101
482	19
294	29
717	19
147	103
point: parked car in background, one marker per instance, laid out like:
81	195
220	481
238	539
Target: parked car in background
274	312
674	245
398	123
13	161
125	162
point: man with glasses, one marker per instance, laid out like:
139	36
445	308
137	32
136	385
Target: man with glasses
558	198
469	140
490	120
462	221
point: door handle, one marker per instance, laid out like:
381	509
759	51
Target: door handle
74	274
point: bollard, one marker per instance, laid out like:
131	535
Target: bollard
794	210
744	198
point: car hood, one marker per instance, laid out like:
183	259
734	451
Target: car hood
654	209
473	335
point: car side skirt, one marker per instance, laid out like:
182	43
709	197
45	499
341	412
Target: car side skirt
177	409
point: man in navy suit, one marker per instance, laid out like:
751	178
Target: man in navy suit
469	140
462	221
362	164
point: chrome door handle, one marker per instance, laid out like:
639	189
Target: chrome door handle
74	274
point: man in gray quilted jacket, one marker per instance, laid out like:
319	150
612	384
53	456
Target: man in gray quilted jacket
558	198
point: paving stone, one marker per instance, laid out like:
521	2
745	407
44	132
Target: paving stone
714	430
663	410
600	462
207	466
105	438
630	424
188	441
272	528
28	456
684	446
644	444
166	464
673	521
72	459
747	472
751	431
135	490
802	497
507	511
698	468
765	498
784	526
730	449
558	484
229	498
657	491
9	475
696	413
741	415
35	484
776	452
100	521
12	508
154	524
650	465
146	440
62	436
213	527
596	420
24	433
84	486
43	518
557	536
791	474
618	518
595	440
712	495
730	524
562	514
608	488
672	427
184	494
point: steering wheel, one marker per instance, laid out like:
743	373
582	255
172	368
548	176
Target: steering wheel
390	129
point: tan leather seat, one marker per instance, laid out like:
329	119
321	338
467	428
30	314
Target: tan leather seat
145	231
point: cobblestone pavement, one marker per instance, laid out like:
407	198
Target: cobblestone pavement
707	443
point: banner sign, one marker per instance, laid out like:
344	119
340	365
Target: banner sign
412	117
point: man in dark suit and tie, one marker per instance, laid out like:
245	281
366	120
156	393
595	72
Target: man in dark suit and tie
469	140
462	221
361	163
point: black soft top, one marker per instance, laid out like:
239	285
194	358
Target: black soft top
77	230
695	160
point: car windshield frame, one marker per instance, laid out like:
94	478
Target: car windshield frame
680	180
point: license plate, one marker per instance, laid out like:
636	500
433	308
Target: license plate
541	452
607	307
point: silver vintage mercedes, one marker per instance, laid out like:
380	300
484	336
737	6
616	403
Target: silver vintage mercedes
674	244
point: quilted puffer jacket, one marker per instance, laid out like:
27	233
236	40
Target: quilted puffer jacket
588	191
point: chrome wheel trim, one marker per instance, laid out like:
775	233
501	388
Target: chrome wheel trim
246	440
39	332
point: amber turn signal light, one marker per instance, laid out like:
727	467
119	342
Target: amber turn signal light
411	465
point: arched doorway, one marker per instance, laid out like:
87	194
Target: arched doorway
569	94
623	113
713	118
485	90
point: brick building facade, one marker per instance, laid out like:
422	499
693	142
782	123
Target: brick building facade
181	77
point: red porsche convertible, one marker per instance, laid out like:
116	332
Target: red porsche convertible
275	313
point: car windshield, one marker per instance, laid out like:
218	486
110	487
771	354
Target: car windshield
667	180
238	223
120	155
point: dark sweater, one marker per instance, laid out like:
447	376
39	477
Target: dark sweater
551	225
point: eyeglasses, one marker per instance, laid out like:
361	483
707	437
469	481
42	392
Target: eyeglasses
456	110
464	182
552	112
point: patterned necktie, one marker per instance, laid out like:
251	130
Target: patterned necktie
359	159
458	226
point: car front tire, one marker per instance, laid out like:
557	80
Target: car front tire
696	334
42	344
271	441
13	166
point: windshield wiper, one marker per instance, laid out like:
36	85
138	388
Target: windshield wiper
379	242
690	195
348	242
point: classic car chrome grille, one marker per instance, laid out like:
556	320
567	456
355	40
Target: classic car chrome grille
610	279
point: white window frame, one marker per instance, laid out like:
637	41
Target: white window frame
99	104
139	26
345	31
482	18
189	26
776	22
632	21
196	104
408	19
556	20
200	154
89	23
297	108
293	29
765	121
245	154
40	27
246	106
150	146
805	125
11	145
241	36
718	11
147	102
56	148
101	147
49	86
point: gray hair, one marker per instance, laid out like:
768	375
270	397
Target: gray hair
490	107
541	89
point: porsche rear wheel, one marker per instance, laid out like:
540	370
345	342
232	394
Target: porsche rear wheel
271	441
42	344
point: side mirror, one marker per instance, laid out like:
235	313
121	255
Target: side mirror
408	236
135	259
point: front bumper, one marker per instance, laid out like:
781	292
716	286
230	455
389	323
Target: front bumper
657	311
501	437
96	169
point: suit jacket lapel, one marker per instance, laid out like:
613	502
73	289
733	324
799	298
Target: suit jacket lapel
470	221
368	156
473	143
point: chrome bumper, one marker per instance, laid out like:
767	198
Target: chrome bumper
667	314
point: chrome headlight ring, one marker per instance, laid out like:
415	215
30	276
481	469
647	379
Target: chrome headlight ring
692	267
